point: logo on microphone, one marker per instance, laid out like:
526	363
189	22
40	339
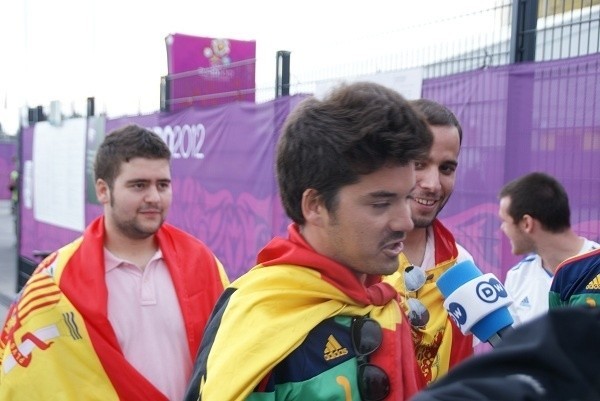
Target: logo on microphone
490	291
457	313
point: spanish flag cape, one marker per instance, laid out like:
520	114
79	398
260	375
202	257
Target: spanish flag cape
440	344
58	344
275	304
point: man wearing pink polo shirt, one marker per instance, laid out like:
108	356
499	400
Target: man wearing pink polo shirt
119	313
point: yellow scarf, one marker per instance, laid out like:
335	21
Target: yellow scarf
276	304
440	344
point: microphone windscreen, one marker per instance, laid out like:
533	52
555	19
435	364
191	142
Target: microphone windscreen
477	302
456	276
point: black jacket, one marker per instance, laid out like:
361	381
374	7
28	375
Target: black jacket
555	357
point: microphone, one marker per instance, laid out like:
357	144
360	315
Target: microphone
477	302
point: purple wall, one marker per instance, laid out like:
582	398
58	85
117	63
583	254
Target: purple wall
515	119
224	185
7	151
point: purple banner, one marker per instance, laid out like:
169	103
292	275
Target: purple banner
224	187
517	119
209	71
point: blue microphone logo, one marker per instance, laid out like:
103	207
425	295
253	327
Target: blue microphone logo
457	313
491	290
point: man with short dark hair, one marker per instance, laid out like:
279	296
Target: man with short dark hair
313	321
119	313
536	218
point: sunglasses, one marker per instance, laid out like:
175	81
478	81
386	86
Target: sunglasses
373	382
414	279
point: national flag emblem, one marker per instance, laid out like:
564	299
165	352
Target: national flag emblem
41	293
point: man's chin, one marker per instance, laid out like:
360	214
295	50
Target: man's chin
519	252
389	268
147	230
423	222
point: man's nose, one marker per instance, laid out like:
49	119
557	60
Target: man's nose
152	194
401	219
429	179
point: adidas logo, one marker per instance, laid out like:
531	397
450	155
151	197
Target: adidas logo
333	349
594	284
525	302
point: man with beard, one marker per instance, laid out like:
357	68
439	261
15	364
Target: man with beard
119	313
430	249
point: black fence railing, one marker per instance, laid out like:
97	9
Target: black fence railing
510	31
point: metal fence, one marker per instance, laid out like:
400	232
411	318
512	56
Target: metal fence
557	30
516	119
567	29
497	35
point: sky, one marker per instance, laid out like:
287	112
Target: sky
114	50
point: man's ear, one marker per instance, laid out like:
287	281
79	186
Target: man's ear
313	209
102	191
527	223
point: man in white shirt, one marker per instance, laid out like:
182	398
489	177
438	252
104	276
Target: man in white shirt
536	218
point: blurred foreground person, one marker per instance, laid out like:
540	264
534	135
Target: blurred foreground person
313	321
119	313
551	358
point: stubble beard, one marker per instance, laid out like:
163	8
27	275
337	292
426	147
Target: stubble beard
423	222
426	221
134	230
